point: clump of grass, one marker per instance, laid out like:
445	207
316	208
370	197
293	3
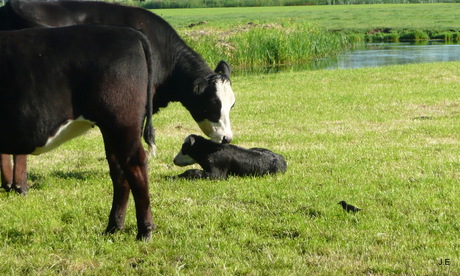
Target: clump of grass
383	37
446	36
397	35
414	35
269	44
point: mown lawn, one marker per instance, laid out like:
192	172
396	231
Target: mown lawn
384	139
335	17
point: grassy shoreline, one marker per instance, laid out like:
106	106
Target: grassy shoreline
385	139
261	36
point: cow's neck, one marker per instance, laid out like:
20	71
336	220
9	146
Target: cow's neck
178	86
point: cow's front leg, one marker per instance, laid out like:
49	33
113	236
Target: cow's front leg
20	174
6	171
120	196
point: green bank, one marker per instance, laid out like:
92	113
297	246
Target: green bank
383	139
263	36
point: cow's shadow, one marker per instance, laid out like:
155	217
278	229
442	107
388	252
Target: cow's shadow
39	181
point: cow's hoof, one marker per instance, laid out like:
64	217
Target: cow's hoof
7	187
145	235
20	190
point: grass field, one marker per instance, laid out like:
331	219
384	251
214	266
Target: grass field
385	139
341	17
166	4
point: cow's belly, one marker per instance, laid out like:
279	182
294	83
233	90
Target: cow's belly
66	132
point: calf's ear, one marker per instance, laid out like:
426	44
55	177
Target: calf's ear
223	68
192	140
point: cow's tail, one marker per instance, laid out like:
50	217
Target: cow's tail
149	131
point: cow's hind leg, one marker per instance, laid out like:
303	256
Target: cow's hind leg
7	171
20	174
131	157
120	196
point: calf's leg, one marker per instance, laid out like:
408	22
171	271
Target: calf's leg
193	174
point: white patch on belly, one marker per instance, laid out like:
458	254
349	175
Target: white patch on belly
66	132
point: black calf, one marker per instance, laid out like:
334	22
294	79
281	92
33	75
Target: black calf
221	160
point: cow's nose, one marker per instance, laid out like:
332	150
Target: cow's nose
226	140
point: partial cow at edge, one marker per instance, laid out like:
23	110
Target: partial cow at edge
56	83
180	74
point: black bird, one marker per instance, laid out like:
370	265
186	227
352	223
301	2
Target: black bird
349	208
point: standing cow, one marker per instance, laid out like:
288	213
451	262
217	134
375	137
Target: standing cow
180	74
57	83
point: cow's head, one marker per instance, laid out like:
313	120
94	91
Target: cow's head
213	100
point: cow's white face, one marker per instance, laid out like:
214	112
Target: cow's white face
218	127
211	102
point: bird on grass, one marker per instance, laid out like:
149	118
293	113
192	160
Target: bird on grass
349	208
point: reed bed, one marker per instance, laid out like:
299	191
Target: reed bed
394	35
268	44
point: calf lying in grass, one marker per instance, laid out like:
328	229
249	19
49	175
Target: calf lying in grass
220	160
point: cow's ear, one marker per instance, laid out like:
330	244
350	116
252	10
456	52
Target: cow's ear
199	86
223	68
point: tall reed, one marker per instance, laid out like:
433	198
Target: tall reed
271	44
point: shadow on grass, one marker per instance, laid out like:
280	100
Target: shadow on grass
15	236
40	181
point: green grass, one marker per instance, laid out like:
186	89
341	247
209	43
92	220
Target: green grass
340	17
385	139
166	4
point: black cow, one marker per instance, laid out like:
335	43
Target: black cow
220	160
57	83
180	74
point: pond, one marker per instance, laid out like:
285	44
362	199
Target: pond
377	54
382	54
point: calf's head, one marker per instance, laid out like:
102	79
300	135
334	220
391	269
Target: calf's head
213	100
183	158
196	149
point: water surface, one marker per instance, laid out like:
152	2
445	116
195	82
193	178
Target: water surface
374	55
383	54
